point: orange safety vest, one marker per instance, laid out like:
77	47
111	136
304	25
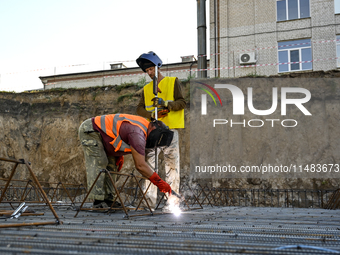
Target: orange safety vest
110	125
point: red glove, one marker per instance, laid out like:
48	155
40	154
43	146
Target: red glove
119	162
162	185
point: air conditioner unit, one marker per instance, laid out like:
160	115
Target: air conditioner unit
247	58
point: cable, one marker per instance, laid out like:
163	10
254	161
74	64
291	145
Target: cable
306	247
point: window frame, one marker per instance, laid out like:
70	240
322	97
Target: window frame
337	7
287	10
337	44
289	48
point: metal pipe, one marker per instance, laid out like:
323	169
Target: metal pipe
27	224
201	39
143	194
23	214
42	192
155	91
217	37
20	161
21	208
88	193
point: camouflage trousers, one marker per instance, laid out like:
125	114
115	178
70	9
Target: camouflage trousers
96	160
171	171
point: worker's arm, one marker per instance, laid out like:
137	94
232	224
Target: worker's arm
141	111
146	171
179	102
140	164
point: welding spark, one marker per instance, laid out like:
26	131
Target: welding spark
173	203
176	211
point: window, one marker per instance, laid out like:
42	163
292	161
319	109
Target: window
293	54
338	50
337	6
292	9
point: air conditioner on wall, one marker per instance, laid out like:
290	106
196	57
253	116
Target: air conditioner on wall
247	58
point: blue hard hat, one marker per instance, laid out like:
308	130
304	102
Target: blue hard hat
147	60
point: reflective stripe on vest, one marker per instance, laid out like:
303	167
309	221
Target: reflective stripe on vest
113	131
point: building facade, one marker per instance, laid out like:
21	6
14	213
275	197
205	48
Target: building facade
269	37
118	74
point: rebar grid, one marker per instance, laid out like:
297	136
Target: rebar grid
124	194
38	189
60	193
300	198
57	193
71	194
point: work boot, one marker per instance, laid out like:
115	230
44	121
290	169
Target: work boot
99	204
116	204
106	204
143	206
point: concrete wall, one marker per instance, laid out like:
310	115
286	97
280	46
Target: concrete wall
42	127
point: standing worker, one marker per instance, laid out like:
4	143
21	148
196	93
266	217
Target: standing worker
170	105
106	139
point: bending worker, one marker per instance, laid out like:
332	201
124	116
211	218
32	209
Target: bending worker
171	104
106	139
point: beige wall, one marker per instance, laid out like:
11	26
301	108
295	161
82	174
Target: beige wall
251	26
116	77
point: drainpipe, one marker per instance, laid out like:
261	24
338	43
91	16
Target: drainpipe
217	37
191	67
202	39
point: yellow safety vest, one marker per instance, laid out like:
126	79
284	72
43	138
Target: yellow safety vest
174	119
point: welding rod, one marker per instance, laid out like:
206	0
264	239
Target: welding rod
174	193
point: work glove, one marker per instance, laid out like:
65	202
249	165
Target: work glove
160	113
162	185
119	162
159	102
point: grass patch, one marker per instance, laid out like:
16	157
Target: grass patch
8	92
189	77
141	82
119	88
58	89
122	97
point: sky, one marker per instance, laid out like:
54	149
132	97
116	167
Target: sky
47	37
